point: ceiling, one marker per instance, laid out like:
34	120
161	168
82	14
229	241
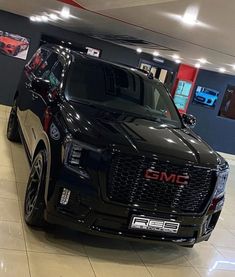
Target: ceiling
149	24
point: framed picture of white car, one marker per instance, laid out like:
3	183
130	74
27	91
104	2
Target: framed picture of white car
206	96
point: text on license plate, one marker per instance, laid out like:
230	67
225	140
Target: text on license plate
151	224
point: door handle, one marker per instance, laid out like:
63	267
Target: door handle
34	96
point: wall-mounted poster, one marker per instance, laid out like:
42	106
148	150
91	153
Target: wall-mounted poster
146	67
93	52
206	96
14	45
227	107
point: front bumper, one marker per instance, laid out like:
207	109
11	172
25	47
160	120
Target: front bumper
111	231
7	51
87	212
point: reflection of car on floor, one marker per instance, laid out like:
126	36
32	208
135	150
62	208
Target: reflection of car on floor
12	44
206	96
110	154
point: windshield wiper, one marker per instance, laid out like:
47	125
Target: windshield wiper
122	113
157	119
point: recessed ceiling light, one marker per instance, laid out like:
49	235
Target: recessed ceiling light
53	16
65	12
32	18
222	69
190	16
139	50
233	66
176	57
156	53
189	21
38	18
202	60
44	18
178	61
197	65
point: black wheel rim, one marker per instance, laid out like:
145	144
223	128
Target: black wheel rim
33	185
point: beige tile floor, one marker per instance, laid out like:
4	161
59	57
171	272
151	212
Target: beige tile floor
57	252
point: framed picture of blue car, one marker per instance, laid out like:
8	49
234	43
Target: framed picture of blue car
206	96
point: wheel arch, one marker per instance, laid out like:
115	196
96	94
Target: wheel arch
44	143
40	146
16	95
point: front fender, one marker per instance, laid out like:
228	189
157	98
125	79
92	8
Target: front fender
43	141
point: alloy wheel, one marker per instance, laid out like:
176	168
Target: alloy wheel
33	187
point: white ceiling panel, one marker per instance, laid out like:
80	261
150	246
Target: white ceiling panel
153	24
106	5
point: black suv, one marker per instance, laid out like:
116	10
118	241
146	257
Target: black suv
110	153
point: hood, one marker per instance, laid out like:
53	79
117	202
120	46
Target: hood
104	128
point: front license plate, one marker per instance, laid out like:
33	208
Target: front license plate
153	224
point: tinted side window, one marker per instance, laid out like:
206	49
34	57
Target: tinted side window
55	76
38	58
44	69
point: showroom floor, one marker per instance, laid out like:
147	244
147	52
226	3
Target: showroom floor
62	253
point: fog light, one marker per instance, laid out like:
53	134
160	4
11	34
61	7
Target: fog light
219	205
65	196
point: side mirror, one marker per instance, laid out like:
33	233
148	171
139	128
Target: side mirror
189	120
40	86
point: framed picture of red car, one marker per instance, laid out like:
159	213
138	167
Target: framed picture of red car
14	45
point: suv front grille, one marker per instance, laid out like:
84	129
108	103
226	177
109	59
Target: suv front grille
127	185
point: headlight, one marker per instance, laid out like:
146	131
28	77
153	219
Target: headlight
221	183
75	152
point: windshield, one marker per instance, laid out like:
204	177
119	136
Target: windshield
210	92
118	88
15	37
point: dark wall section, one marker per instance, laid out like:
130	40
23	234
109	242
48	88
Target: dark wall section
219	132
11	68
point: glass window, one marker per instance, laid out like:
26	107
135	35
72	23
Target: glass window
45	67
118	88
38	58
182	95
55	76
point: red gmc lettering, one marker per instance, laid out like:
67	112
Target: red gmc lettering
171	178
165	177
150	174
182	180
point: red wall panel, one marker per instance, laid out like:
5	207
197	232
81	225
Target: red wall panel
185	73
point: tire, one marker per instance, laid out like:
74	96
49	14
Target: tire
34	203
188	246
13	125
